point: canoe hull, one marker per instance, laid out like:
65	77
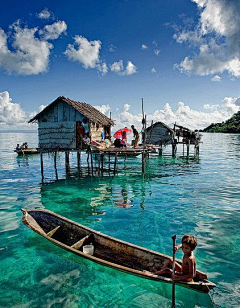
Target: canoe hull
109	251
29	151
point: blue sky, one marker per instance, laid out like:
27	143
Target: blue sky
182	57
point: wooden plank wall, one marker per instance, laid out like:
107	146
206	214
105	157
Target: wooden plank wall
57	128
62	112
159	135
57	135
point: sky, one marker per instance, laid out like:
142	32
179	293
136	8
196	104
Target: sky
182	57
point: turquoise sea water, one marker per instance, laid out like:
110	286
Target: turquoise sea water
177	196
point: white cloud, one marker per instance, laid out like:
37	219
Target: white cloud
182	115
157	51
11	113
88	53
44	14
103	108
144	47
84	51
52	32
153	70
130	68
30	55
217	36
102	68
112	48
118	68
216	78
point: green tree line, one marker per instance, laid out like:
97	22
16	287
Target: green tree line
230	126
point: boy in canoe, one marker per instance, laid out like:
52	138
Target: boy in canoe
186	271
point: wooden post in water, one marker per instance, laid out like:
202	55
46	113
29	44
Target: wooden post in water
91	160
160	150
102	157
78	158
67	161
188	146
41	157
115	163
55	164
174	149
196	148
143	162
55	159
173	270
99	157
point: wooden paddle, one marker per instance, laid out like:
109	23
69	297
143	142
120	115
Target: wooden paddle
173	271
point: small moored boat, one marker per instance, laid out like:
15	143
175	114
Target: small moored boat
27	151
108	251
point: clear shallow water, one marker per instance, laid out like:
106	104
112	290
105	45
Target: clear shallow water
177	196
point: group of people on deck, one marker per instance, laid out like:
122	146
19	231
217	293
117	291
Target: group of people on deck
119	143
23	146
83	138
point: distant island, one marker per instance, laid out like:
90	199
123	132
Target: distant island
230	126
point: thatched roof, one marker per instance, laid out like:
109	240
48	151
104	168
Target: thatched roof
85	109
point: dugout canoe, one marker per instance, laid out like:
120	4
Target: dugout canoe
27	151
108	251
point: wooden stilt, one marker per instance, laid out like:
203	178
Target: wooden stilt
188	146
160	150
67	161
41	157
78	158
174	149
115	163
197	149
102	157
55	164
99	158
91	155
143	161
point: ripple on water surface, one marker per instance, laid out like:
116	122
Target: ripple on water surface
176	196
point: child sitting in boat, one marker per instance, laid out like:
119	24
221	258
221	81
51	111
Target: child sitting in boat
22	147
186	271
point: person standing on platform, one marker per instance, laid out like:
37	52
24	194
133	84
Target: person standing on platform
136	136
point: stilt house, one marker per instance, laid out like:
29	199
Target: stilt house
185	135
159	134
61	122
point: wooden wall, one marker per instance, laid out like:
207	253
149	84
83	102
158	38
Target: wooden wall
57	135
61	112
57	127
160	135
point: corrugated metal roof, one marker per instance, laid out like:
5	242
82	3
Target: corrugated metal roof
85	109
